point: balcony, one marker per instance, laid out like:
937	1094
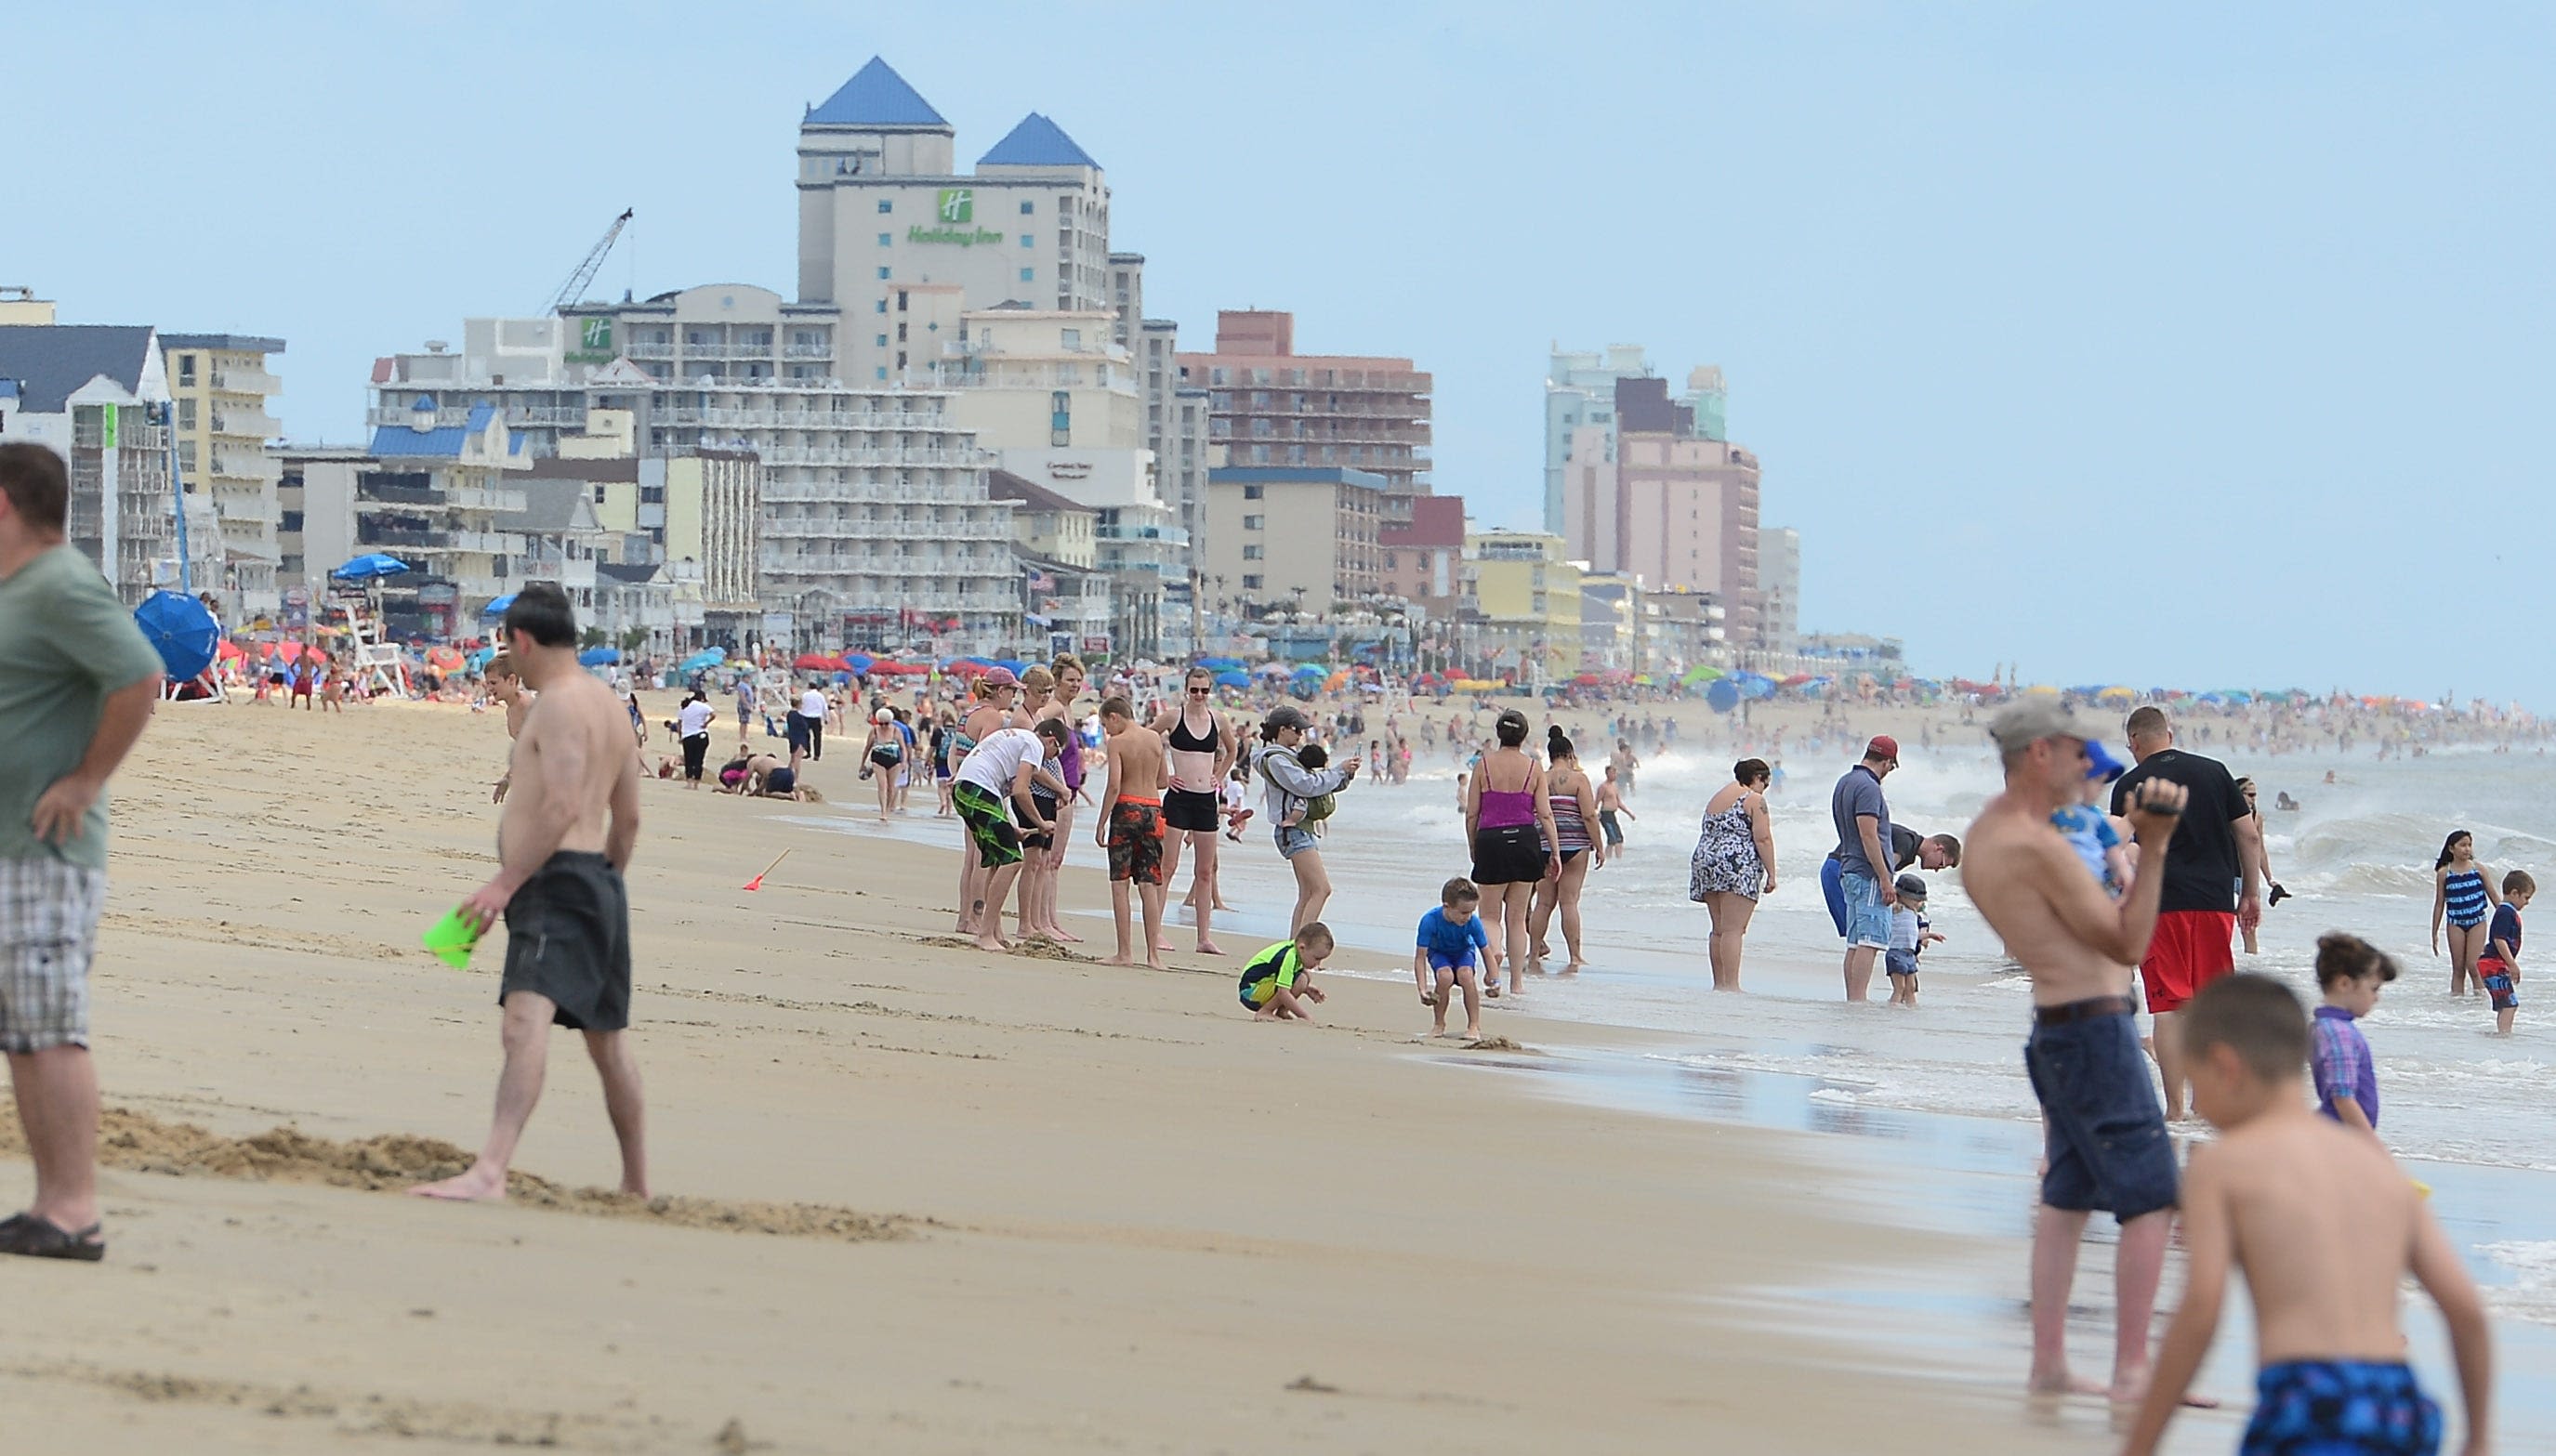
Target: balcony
396	540
810	351
245	382
257	424
649	349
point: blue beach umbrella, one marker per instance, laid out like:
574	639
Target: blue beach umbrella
498	607
1232	679
1721	695
369	565
180	631
703	660
598	657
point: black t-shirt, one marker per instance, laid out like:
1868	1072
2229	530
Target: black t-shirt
1904	844
2201	869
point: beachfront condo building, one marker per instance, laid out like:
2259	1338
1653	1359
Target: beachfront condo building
219	384
874	525
882	204
1297	537
1520	606
1176	427
1268	405
98	395
432	496
1647	491
1580	394
1423	559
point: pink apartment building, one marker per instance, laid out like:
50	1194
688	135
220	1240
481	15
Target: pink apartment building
1674	508
1268	405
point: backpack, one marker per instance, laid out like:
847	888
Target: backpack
1317	808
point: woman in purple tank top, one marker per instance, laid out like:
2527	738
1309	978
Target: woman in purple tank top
1066	677
1509	823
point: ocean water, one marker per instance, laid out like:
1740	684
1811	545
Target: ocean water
2356	856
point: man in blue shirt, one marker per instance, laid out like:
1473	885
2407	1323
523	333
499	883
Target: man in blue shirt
1863	822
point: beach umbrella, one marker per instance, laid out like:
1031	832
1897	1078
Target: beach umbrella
1232	679
811	662
180	630
1722	696
858	661
369	565
479	658
2117	694
598	657
496	607
1695	675
703	660
1013	666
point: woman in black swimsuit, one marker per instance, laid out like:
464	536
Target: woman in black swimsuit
1201	748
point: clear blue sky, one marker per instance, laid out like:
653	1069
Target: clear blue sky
2191	346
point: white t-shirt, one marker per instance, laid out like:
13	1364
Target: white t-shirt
998	755
811	704
695	719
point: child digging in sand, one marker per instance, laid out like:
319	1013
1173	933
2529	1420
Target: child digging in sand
1280	979
1445	958
2323	1226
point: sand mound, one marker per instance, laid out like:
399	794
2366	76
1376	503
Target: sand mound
141	1143
1493	1044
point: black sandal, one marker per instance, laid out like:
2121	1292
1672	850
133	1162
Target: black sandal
37	1237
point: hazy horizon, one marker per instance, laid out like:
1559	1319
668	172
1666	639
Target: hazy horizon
2188	348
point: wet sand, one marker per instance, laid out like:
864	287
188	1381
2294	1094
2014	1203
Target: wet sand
918	1200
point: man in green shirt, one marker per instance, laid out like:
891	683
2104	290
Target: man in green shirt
77	683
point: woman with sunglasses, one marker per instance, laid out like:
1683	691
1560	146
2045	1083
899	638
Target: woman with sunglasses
1203	745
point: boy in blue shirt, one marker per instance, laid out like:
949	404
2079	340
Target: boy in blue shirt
2499	967
1444	959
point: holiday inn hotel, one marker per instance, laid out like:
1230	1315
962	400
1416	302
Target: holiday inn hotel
883	211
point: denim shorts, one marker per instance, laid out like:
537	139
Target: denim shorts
2107	1140
1294	840
1867	919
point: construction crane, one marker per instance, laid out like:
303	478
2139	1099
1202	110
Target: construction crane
574	289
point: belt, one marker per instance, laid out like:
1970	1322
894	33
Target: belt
2081	1010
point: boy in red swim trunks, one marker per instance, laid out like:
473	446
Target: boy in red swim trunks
2499	969
1131	826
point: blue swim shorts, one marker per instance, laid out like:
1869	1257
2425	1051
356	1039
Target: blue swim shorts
2331	1407
1293	841
2497	984
1867	919
1440	960
1899	962
2105	1140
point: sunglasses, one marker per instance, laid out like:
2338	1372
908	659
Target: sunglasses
1200	691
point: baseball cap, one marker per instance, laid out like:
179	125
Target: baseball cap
1000	677
2100	763
1883	747
2022	724
1285	715
1910	887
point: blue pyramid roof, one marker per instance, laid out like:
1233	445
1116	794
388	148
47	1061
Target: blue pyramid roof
875	96
1036	142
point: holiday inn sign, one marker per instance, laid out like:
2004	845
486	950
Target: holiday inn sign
956	213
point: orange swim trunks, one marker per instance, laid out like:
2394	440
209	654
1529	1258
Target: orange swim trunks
1136	840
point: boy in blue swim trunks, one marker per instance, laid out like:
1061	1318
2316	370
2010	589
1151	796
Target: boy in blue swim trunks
1278	981
1444	959
2324	1225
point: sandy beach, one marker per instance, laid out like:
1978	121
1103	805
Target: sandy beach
916	1200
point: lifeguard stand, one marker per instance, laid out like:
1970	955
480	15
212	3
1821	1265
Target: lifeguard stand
379	665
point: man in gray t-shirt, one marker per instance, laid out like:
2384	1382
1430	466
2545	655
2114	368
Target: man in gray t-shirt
1862	819
77	683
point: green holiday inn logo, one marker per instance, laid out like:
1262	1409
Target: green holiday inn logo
596	333
957	214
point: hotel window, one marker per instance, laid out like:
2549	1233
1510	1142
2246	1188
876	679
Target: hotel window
1254	523
1251	492
882	341
887	205
1072	339
887	240
1259	454
1251	552
186	369
880	374
185	412
1028	240
1250	581
1028	275
882	305
1028	209
883	273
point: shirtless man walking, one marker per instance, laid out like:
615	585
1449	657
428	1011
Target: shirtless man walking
1132	826
1202	747
2105	1135
559	887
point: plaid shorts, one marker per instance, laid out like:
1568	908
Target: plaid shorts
48	914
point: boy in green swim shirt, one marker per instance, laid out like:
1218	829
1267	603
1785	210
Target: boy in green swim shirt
1280	979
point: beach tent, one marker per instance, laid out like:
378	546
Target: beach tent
180	631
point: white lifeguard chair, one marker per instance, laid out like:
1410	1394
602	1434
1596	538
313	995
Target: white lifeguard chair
379	665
